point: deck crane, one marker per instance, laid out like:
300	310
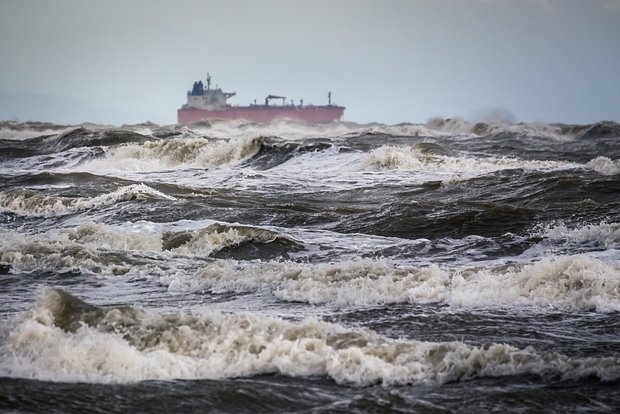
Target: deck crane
270	97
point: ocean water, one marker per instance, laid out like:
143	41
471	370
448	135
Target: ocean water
342	268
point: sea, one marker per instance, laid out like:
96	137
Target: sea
227	267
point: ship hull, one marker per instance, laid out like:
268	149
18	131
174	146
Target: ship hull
263	114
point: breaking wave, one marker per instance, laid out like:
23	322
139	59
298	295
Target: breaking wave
606	235
68	139
605	166
415	158
248	259
62	338
107	250
177	152
573	282
91	248
219	240
35	204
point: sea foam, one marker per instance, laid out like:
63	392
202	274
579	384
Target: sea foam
573	282
604	234
64	339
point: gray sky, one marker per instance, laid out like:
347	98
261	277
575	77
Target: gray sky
389	61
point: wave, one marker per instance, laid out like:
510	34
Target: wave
77	137
574	282
417	158
606	235
177	152
83	137
604	166
231	241
165	148
62	338
109	250
274	152
59	180
282	128
602	129
571	282
90	249
436	126
459	126
34	204
12	130
555	131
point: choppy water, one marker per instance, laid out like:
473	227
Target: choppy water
443	267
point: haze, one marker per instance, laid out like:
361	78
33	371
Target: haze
116	62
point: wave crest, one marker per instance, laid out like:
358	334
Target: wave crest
33	204
417	158
219	240
178	152
604	165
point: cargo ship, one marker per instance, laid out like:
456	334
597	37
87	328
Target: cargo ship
207	104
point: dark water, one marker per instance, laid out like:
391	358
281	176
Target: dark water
443	267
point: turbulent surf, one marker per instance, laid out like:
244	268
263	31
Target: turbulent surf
233	267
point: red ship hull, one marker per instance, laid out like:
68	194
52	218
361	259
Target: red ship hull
263	113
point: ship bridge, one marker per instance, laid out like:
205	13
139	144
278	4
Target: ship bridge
206	98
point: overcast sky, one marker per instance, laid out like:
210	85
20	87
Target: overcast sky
387	61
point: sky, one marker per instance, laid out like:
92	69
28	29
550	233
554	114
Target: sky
389	61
